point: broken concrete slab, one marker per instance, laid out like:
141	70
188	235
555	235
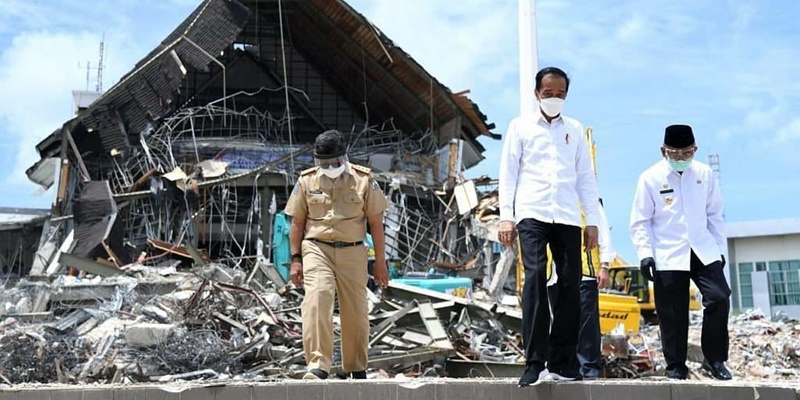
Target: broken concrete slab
148	334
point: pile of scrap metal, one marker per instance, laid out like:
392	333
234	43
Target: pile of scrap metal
157	324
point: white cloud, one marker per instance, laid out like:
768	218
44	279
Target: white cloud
632	28
37	73
790	131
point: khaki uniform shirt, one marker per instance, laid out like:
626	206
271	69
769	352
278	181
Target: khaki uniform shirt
336	210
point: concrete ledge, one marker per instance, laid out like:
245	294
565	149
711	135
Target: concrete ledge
435	389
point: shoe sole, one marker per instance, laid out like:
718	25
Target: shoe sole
309	376
556	377
542	376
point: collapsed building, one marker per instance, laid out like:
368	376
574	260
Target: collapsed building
200	144
167	223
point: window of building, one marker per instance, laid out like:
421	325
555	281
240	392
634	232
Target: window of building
746	284
735	290
784	282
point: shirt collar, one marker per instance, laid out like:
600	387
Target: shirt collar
541	118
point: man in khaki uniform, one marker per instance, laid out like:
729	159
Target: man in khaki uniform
330	206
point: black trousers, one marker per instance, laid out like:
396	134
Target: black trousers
672	307
589	336
545	345
589	355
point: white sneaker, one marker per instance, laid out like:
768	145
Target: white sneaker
557	377
543	376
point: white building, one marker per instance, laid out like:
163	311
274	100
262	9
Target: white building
764	265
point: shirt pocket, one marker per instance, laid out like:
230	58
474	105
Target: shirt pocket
353	205
318	205
665	202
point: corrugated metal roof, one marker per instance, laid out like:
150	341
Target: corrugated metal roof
773	227
13	218
95	213
147	93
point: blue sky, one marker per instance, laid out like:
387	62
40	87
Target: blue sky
730	68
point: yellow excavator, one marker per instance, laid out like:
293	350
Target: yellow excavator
629	299
626	278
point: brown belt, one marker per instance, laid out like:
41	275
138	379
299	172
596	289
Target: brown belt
337	245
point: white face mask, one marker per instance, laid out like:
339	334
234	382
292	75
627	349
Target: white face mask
552	106
333	173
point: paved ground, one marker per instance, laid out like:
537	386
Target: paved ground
437	389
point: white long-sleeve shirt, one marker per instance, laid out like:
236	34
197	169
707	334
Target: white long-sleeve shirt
546	172
607	253
674	213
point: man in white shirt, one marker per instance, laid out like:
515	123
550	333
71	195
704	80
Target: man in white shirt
677	229
545	179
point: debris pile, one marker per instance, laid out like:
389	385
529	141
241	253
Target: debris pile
184	326
764	348
760	348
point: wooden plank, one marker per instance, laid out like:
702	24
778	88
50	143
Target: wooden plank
175	249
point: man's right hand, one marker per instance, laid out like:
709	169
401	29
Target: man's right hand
507	233
296	273
648	268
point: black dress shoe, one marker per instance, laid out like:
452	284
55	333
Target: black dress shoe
359	375
531	375
718	370
678	373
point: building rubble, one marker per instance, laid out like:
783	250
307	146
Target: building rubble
164	256
760	348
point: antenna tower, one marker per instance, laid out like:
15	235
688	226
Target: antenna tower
713	162
99	86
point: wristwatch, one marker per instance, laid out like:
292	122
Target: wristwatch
298	257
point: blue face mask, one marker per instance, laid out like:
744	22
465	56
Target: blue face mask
679	165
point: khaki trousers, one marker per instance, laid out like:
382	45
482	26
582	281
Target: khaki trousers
328	271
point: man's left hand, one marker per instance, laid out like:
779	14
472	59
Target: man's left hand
590	234
602	277
380	273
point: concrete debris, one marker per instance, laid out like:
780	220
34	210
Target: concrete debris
147	334
760	348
